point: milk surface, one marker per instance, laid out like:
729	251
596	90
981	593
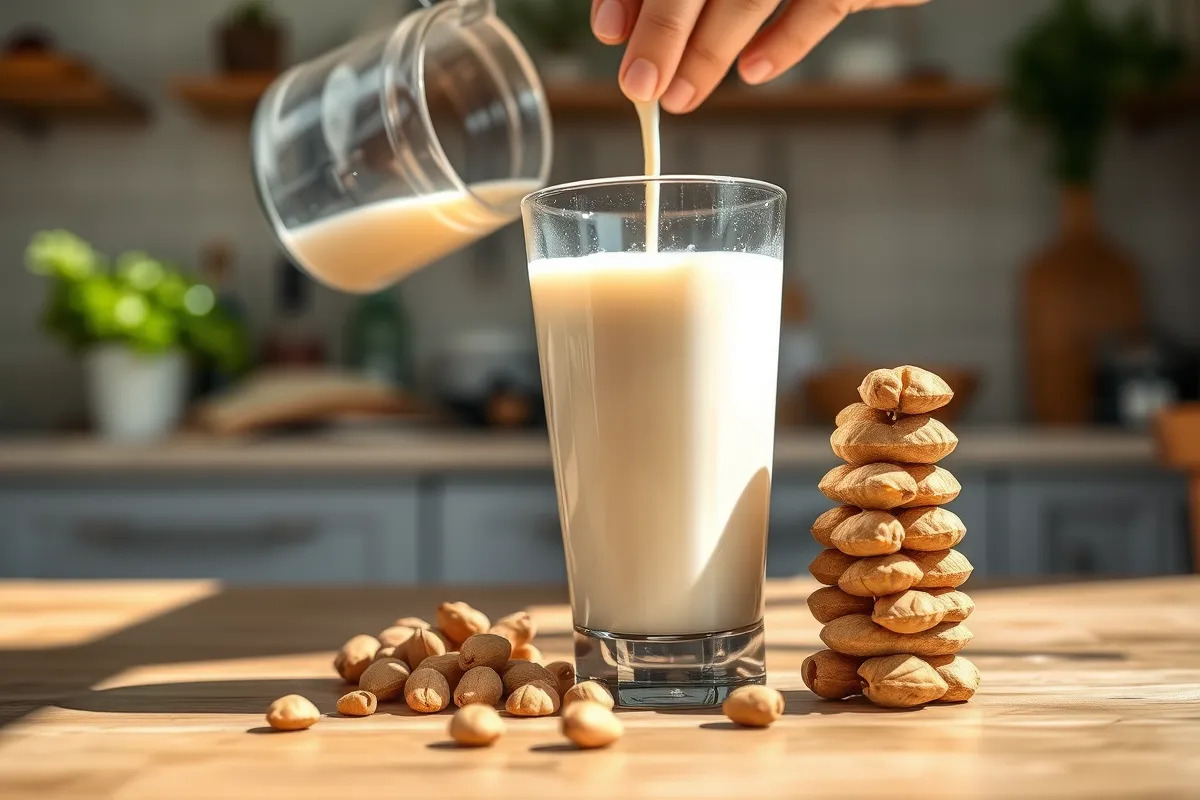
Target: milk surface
659	371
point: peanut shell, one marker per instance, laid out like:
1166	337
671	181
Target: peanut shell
824	525
426	691
958	604
911	611
535	699
479	685
960	675
931	528
909	440
831	675
830	602
355	656
880	486
869	533
879	575
857	635
942	569
901	681
829	564
484	650
385	678
459	621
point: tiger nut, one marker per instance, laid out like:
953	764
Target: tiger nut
753	706
518	673
958	604
358	703
412	622
589	724
421	646
535	699
459	621
829	564
518	627
592	691
426	691
829	602
395	636
479	685
931	528
484	650
385	678
901	681
528	652
824	525
911	611
880	486
564	675
880	575
857	635
881	389
355	656
868	533
476	725
292	713
831	675
942	569
959	674
446	664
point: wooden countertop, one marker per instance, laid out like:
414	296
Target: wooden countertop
157	690
425	450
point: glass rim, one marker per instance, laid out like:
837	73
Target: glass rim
536	197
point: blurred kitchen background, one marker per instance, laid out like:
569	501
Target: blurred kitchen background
1005	192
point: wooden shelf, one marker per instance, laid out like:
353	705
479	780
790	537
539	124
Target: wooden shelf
40	89
814	100
232	96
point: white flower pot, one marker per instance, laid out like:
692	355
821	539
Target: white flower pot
135	397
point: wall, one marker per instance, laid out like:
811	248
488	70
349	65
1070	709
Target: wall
909	247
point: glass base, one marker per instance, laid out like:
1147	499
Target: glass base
671	671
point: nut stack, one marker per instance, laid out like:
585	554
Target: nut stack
891	608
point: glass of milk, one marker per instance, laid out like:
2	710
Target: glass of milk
402	146
659	367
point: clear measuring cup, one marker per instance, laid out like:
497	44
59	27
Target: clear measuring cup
403	146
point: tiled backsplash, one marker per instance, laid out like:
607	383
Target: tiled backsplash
909	246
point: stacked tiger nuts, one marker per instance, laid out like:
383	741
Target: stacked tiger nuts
891	608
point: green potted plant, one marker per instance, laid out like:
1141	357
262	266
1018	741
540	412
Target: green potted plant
1070	74
136	322
251	39
559	30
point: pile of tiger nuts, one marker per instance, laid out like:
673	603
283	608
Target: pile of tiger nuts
891	608
466	660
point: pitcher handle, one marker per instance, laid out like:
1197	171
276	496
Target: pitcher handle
468	10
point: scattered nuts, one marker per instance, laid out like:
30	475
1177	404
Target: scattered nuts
880	486
412	622
753	706
426	691
479	685
958	605
824	525
395	635
519	628
518	673
829	565
911	611
931	528
292	713
831	675
879	575
385	678
535	699
868	533
421	646
959	674
485	650
909	440
857	635
528	652
564	675
942	569
355	656
447	665
476	725
830	602
592	691
458	621
901	681
589	724
358	703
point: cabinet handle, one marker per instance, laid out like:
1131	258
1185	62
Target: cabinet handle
124	536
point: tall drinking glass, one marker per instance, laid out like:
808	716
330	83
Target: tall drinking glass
659	373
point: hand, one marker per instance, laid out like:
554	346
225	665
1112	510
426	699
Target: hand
679	50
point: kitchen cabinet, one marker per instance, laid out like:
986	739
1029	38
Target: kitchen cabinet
236	534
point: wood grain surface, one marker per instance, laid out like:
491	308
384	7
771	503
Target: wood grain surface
157	690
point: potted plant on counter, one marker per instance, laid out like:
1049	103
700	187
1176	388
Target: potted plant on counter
251	39
137	322
1069	74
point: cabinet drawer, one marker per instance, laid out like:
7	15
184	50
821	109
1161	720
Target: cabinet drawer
236	535
501	532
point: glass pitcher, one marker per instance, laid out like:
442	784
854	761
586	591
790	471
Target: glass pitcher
402	146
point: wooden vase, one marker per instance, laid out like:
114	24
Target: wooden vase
1079	293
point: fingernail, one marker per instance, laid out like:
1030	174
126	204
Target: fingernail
678	95
756	70
610	20
641	79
